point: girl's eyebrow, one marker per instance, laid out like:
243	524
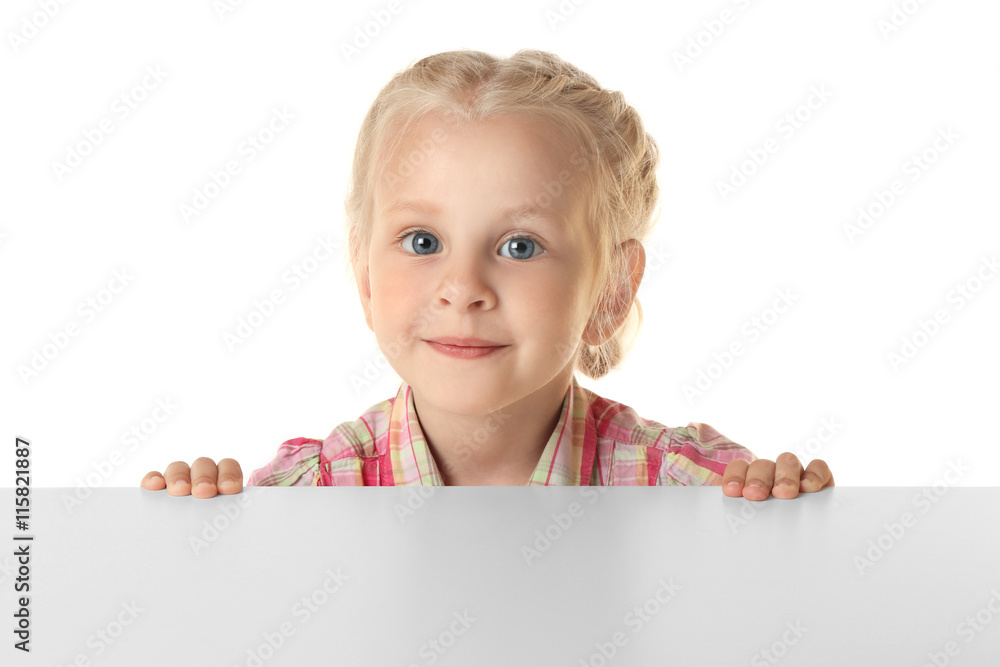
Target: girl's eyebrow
418	205
513	213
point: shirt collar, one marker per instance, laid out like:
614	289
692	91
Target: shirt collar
567	459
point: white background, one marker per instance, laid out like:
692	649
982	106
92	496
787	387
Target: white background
712	265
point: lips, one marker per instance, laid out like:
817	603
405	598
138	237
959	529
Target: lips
466	351
465	342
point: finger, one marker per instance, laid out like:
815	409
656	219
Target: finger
204	475
178	476
817	476
787	473
760	479
230	476
733	477
153	481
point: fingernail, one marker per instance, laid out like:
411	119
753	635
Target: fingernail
228	484
201	484
785	482
756	482
733	485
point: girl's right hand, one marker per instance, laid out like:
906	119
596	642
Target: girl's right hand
202	480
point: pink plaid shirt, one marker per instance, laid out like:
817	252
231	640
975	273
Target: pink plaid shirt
597	442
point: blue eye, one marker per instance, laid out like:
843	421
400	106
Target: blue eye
428	242
523	244
424	243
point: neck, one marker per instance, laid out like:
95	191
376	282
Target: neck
498	447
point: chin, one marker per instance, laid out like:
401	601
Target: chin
460	399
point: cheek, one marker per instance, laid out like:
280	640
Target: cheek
387	292
400	303
387	280
552	308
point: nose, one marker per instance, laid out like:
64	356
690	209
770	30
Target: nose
465	287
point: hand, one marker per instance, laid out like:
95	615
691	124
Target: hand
759	477
227	475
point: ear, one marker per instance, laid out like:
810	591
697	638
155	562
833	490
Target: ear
616	308
360	266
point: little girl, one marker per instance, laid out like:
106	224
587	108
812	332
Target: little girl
496	218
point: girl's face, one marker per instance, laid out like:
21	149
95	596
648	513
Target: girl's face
474	269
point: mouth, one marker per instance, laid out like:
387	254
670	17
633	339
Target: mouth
465	351
464	342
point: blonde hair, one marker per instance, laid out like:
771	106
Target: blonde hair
469	86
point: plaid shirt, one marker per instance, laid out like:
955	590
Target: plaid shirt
597	442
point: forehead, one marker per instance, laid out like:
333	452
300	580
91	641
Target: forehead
514	214
525	165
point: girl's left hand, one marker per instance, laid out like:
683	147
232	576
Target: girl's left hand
754	481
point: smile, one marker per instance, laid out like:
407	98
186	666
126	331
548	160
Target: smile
461	352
